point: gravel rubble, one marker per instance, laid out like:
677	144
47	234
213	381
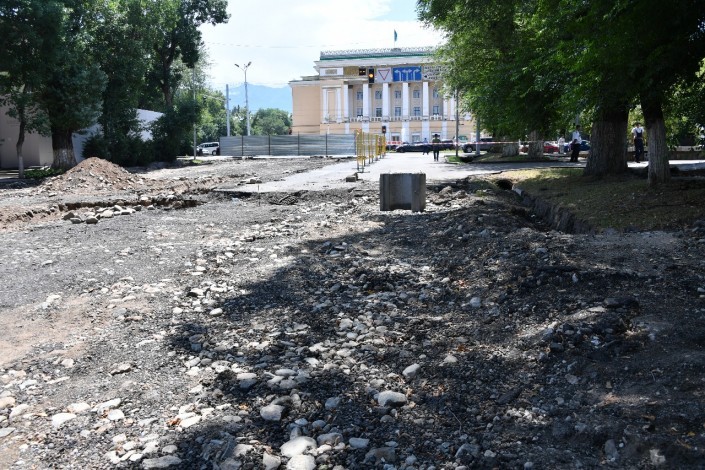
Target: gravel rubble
183	328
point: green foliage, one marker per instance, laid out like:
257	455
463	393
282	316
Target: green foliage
128	151
174	36
42	173
270	121
178	122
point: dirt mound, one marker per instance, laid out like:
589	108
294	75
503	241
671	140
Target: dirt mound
94	174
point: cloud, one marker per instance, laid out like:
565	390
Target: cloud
283	38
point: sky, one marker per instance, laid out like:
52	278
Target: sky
283	38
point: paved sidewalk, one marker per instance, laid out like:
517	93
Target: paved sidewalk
333	176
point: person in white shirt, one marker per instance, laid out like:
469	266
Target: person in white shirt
638	136
575	144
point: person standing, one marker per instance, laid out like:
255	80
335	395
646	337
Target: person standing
638	136
436	142
425	146
561	142
575	144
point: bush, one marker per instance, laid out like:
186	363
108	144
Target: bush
42	173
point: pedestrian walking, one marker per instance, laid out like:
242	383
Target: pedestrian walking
436	147
638	136
575	144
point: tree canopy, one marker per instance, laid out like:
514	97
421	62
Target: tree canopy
525	66
81	61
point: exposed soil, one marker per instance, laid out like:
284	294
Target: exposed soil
165	325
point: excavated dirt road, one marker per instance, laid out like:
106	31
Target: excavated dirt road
152	323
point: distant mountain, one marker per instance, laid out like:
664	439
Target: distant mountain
261	97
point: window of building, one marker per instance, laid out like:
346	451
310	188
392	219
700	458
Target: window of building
397	94
359	111
435	92
417	93
359	96
417	111
378	112
436	109
397	111
378	94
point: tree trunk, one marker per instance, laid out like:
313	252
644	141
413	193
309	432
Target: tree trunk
608	151
61	142
535	146
659	169
20	143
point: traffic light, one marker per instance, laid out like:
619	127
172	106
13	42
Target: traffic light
384	129
362	71
370	75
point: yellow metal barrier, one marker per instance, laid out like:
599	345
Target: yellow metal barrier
368	147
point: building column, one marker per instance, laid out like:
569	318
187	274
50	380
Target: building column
424	100
446	109
385	102
405	100
451	106
338	104
324	110
346	105
365	101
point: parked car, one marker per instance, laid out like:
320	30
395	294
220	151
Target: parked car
447	144
393	144
548	147
485	144
584	146
415	147
208	148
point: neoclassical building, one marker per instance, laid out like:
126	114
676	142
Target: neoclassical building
396	90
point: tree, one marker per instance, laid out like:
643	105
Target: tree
71	94
175	36
29	28
499	55
271	121
612	54
124	44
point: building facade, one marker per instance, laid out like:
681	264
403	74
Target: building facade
396	91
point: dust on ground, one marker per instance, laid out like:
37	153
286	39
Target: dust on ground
314	331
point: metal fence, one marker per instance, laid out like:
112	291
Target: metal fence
288	145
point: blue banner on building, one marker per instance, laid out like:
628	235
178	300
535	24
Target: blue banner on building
407	74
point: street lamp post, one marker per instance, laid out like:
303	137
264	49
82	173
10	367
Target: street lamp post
247	105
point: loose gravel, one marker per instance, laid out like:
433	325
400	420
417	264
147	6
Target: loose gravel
163	325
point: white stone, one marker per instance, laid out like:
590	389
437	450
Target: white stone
450	359
116	415
301	462
297	446
271	462
7	402
188	422
161	462
78	408
390	398
271	412
19	410
59	419
411	371
101	408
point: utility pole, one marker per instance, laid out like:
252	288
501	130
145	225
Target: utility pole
193	85
457	122
227	109
247	105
